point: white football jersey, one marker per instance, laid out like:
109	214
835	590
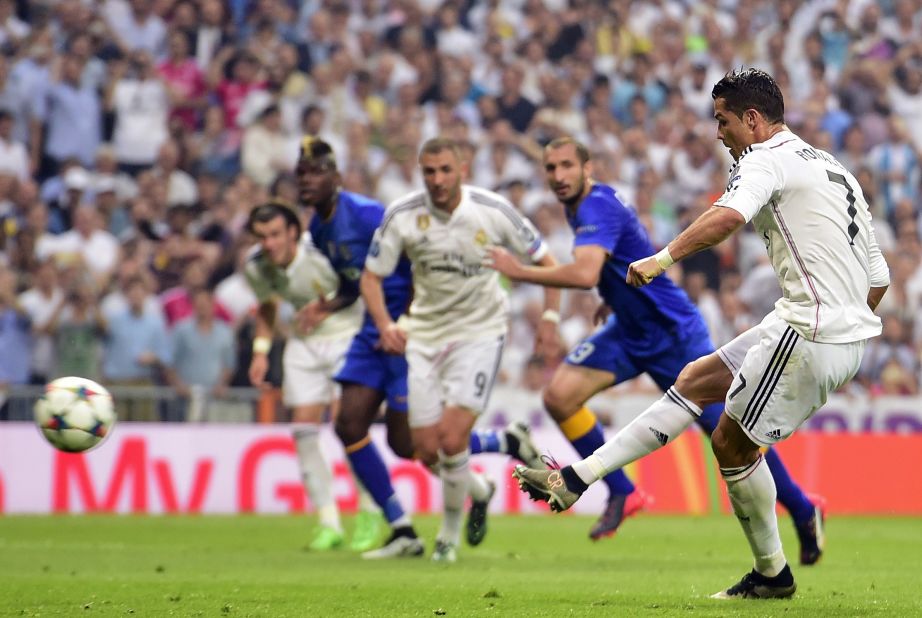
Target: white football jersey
455	297
816	226
308	277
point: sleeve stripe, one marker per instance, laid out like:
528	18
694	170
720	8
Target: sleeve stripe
511	213
400	207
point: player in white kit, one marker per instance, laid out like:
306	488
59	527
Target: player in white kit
817	230
287	266
454	332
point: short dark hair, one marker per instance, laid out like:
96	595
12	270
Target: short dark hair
439	144
582	153
751	89
269	211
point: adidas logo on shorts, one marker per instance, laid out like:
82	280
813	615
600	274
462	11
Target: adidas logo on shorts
660	436
774	434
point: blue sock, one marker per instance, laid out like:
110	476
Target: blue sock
790	495
486	441
584	432
369	467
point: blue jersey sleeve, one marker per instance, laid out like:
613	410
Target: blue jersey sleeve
598	222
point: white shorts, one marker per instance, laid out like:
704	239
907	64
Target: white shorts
308	368
781	379
455	374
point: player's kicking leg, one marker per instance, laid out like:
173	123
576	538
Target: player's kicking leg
359	407
652	429
565	397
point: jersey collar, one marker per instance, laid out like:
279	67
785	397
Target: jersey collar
441	214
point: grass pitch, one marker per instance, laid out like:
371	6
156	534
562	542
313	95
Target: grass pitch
528	566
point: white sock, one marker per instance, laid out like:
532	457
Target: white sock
656	427
752	494
316	474
456	477
478	486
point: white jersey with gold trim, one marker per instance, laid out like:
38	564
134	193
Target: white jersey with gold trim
308	278
455	298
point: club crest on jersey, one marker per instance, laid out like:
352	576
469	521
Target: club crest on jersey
480	238
422	222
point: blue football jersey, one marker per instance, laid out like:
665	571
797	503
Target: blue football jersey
345	239
645	313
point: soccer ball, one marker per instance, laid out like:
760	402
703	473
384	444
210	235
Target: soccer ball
74	414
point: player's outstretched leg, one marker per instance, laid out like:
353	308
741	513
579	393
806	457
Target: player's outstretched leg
807	512
585	433
564	399
653	428
514	440
560	488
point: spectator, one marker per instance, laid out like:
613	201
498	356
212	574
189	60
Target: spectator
180	186
203	354
179	302
76	330
211	34
889	365
135	347
231	91
41	303
896	167
87	244
265	151
15	334
14	159
185	83
71	113
135	27
513	105
138	99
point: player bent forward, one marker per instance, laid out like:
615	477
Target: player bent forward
453	336
818	233
287	266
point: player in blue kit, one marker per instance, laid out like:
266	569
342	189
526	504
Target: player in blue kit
655	330
342	228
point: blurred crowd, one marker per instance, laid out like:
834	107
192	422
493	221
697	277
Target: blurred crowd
136	135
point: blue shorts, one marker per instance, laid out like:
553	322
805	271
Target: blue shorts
662	355
366	365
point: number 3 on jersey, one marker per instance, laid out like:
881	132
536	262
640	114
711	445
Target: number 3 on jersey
581	353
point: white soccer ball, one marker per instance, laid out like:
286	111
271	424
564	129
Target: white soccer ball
74	414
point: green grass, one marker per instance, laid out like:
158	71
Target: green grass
528	566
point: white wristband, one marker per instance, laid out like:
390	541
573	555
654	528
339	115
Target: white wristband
550	315
663	258
262	345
